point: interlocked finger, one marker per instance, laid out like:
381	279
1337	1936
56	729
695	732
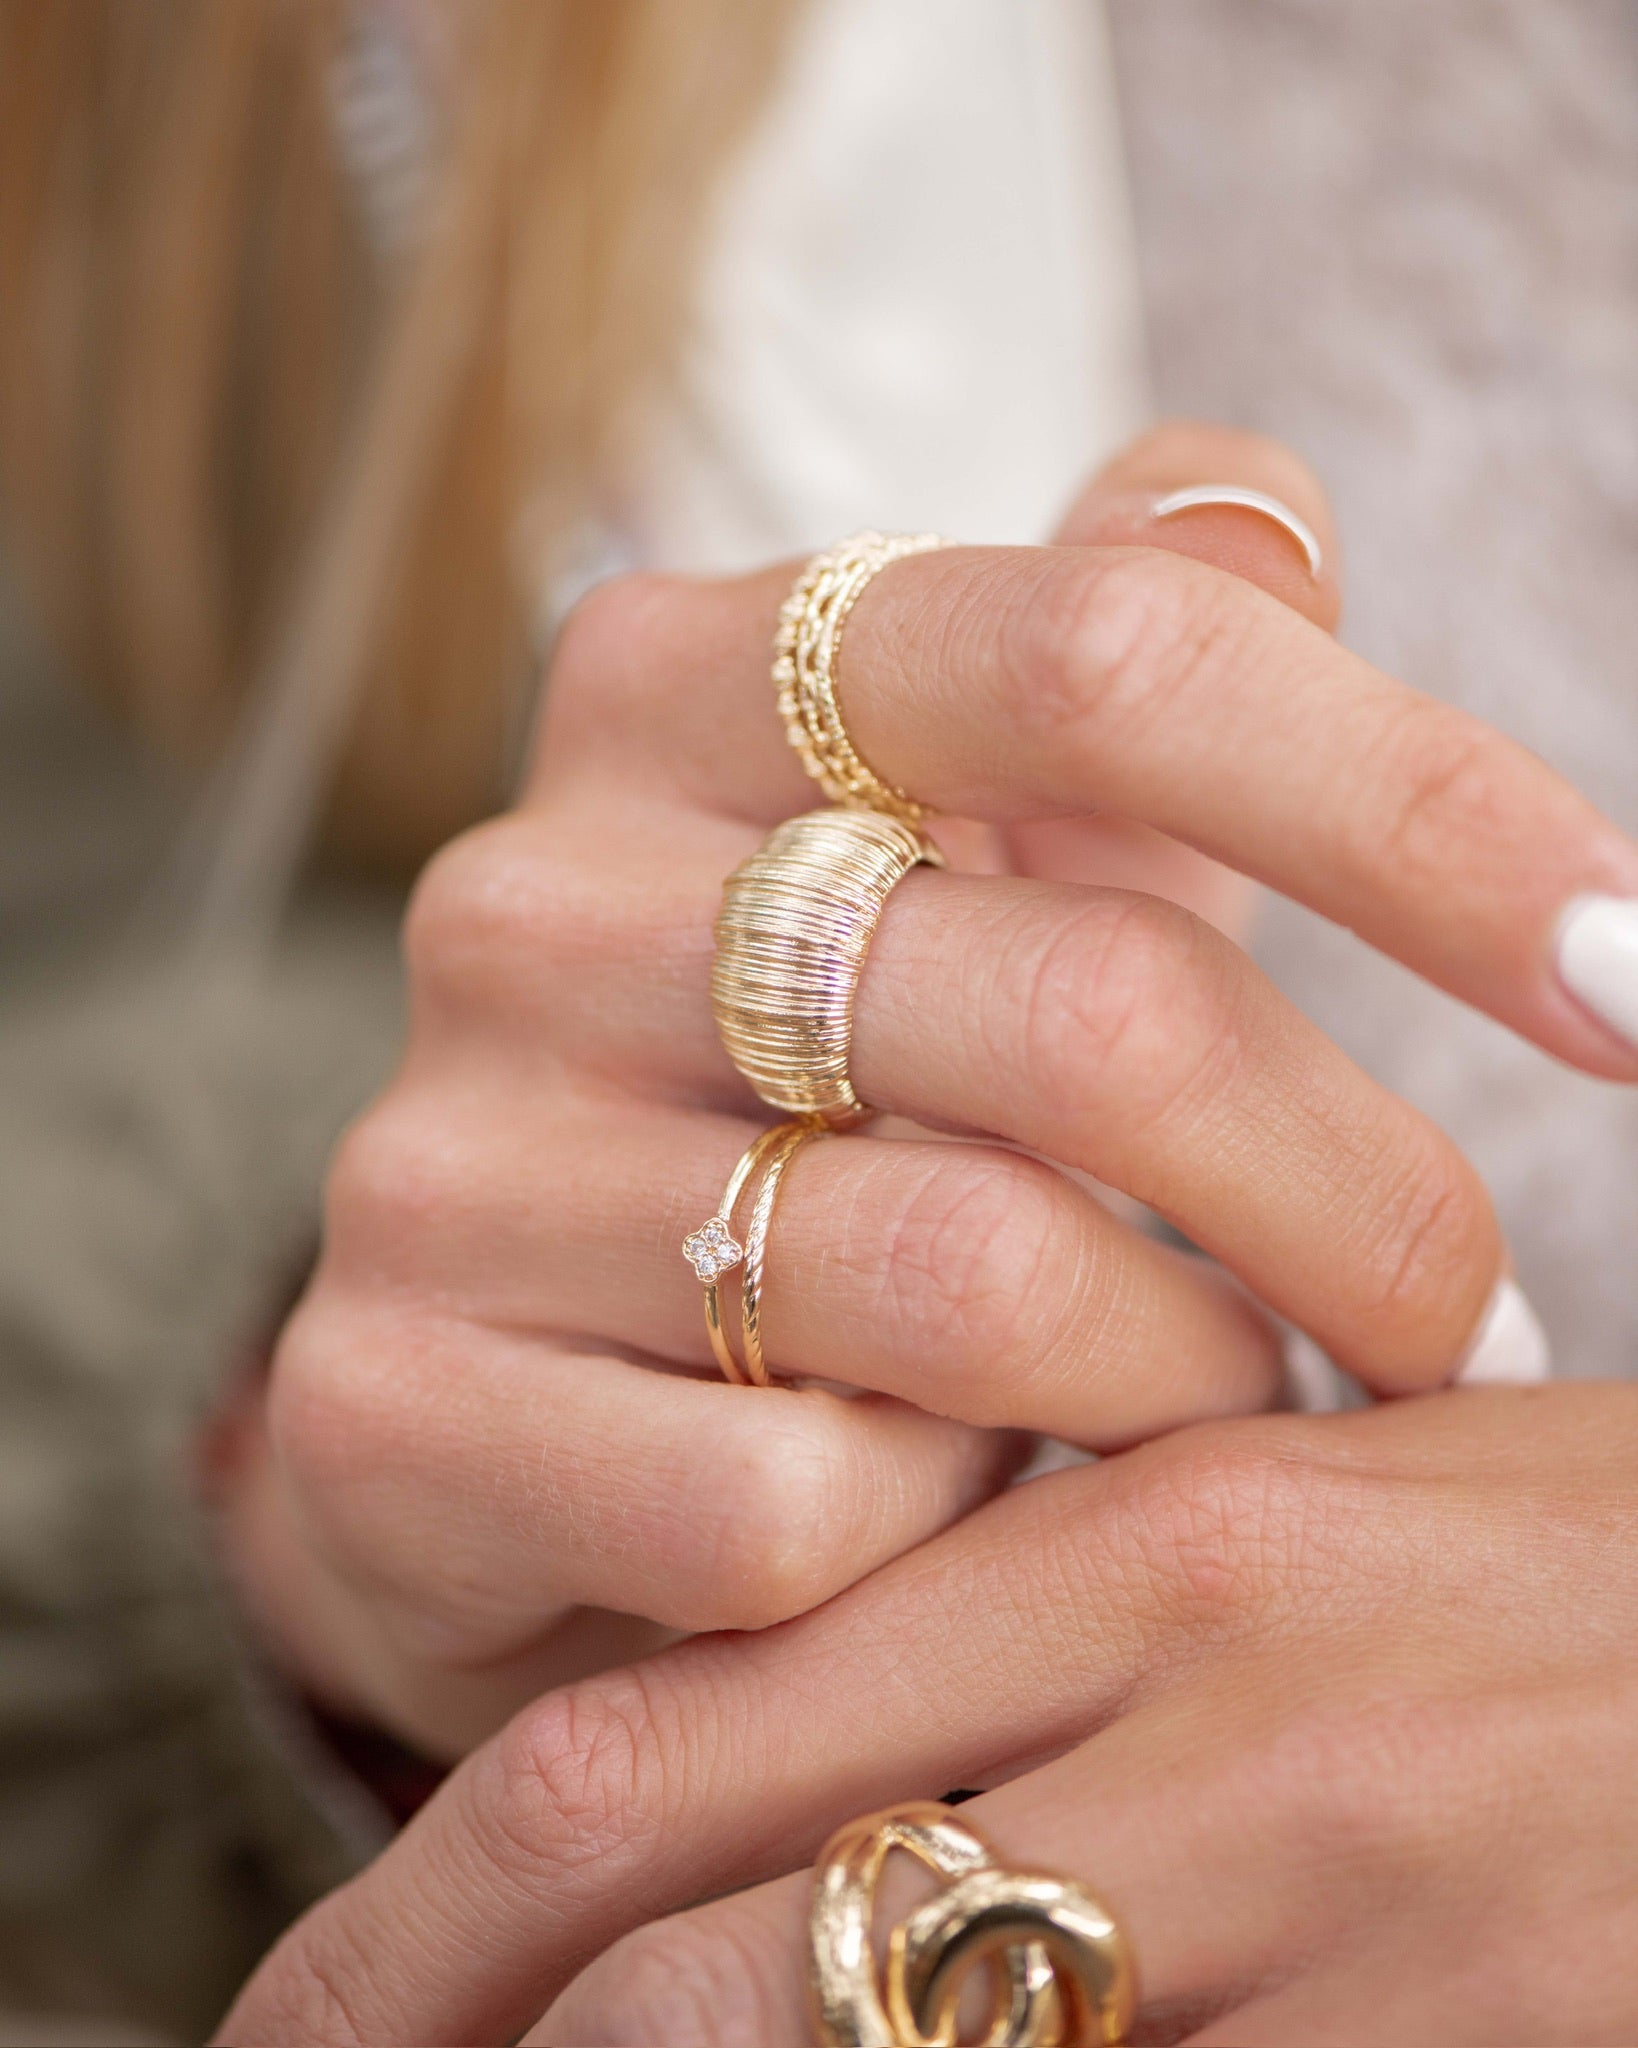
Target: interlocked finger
1112	1032
967	1279
1060	1974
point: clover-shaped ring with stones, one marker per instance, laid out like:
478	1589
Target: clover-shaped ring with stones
712	1250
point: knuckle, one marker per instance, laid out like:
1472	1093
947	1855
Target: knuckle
675	1982
359	1414
390	1183
604	657
968	1278
1219	1521
1103	972
779	1502
510	926
330	1414
1130	987
307	1991
1113	641
575	1784
1445	796
378	1166
1432	1255
487	902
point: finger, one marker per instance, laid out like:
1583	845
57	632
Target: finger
719	1764
1117	853
1118	509
347	1655
1168	692
1010	684
966	1279
1113	1033
476	1483
1052	1612
1209	1885
1133	1042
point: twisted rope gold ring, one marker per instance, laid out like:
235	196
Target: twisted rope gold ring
713	1251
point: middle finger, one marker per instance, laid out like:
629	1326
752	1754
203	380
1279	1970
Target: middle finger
1114	1033
1010	684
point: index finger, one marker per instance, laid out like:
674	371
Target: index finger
1009	684
718	1764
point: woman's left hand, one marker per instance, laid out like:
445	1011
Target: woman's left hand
1339	1717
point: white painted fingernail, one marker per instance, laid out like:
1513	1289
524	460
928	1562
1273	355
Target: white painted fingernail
1201	497
1511	1349
1598	959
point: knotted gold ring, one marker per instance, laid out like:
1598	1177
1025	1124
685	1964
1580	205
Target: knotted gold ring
804	671
796	922
1061	1976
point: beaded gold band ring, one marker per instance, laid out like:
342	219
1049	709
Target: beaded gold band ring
806	647
796	922
1061	1975
713	1251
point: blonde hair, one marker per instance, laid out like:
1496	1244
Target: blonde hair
236	444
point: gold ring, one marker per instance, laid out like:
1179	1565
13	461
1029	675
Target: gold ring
713	1251
804	670
779	1158
796	922
1061	1973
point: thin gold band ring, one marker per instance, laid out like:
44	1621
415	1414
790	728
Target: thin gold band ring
713	1251
778	1160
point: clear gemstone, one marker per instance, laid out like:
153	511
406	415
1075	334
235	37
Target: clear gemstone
711	1251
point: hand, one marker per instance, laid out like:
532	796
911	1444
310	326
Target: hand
490	1436
1338	1716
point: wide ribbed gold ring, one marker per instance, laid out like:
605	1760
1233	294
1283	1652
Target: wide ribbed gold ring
806	647
796	922
1061	1975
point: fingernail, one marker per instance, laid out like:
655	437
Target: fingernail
1598	959
1511	1349
1201	497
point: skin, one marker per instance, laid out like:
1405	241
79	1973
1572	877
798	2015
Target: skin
496	1457
1339	1716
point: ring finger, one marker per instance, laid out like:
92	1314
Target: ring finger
968	1280
1207	1877
1114	1033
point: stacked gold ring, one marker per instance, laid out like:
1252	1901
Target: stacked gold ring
713	1251
796	922
1061	1973
805	657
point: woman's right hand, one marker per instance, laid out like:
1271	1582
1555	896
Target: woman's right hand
498	1455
